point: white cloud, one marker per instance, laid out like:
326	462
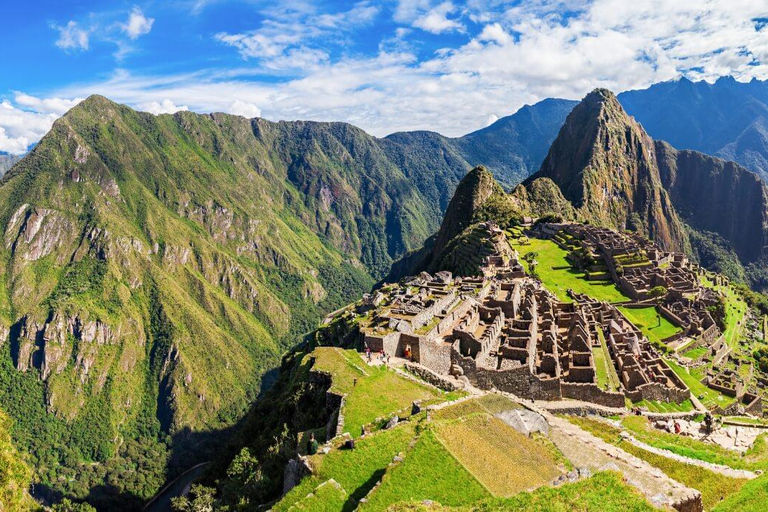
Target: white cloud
57	106
20	128
509	57
297	37
436	19
138	24
72	37
244	108
164	106
495	32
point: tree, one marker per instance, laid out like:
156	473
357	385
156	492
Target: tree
657	292
200	499
530	258
67	505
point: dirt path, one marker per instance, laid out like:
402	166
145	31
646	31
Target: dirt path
585	450
716	468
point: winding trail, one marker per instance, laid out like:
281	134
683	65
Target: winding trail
716	468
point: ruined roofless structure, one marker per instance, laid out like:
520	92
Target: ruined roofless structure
503	330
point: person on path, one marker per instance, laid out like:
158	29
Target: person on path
312	445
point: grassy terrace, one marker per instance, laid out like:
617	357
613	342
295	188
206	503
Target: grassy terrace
429	471
372	391
647	320
653	406
558	275
501	458
695	353
605	491
709	397
755	458
607	377
735	311
356	471
714	487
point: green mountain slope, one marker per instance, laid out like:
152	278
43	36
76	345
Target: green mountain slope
154	268
604	163
616	176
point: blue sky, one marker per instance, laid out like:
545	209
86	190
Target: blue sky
450	66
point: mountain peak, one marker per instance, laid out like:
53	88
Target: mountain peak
477	199
604	163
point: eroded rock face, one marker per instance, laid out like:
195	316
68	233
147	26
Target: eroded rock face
34	233
56	347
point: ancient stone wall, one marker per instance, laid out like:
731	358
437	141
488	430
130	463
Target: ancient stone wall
590	392
434	356
431	377
659	393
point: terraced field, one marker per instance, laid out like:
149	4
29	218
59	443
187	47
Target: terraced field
735	311
372	391
653	325
504	460
428	472
709	397
558	276
714	487
605	371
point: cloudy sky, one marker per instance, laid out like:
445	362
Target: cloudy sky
451	66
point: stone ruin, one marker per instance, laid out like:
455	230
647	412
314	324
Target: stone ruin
503	330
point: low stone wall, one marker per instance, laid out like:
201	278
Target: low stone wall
669	315
656	392
731	392
431	377
589	392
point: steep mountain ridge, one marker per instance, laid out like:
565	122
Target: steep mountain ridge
604	163
727	118
155	267
616	176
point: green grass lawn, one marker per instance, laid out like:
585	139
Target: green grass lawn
326	497
654	406
372	391
500	457
558	275
491	403
753	497
735	311
647	320
709	397
604	369
355	470
605	491
695	353
429	472
714	487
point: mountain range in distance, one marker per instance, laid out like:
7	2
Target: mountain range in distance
155	268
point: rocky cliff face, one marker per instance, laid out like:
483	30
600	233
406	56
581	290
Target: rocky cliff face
605	165
615	175
717	196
